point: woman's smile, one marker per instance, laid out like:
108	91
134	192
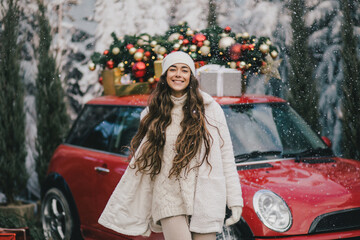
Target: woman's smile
178	78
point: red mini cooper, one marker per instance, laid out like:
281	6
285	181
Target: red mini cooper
293	186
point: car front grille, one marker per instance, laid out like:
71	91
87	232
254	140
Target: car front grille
336	221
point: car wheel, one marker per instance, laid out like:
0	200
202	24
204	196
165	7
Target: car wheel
57	219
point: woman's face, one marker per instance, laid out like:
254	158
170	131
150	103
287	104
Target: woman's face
178	78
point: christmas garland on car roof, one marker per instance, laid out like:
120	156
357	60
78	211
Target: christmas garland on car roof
137	55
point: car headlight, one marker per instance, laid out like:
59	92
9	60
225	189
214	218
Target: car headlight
272	210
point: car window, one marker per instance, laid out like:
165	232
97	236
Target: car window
94	127
125	129
269	127
106	128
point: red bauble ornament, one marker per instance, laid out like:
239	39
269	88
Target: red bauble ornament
251	47
147	54
106	52
244	47
181	37
199	37
186	41
110	64
227	29
193	40
139	69
200	44
100	80
129	46
235	51
140	50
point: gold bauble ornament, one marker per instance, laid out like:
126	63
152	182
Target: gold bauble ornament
207	43
146	38
274	54
160	57
151	80
189	32
132	50
140	42
233	65
121	65
268	42
264	48
205	50
138	56
226	42
193	48
242	64
156	48
162	50
92	66
116	50
174	37
238	35
176	46
153	43
245	35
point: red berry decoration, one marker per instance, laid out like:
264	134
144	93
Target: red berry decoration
227	29
100	80
106	52
129	46
235	51
199	37
186	41
244	47
200	44
181	37
139	69
110	64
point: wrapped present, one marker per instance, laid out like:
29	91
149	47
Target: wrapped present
108	81
16	233
116	83
132	89
7	236
219	81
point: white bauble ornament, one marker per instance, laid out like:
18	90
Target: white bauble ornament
193	48
264	48
174	37
138	56
207	43
226	42
176	46
132	50
205	50
153	43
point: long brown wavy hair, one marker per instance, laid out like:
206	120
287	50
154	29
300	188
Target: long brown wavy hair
153	126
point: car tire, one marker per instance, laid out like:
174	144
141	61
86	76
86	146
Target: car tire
58	219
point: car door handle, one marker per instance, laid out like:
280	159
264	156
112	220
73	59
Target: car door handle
102	169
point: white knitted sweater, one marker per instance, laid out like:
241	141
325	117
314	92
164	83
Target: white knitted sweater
173	196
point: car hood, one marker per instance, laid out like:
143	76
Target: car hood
311	187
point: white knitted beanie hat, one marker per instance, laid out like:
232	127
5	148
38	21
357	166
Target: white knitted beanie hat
178	57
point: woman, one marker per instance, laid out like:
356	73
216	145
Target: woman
183	173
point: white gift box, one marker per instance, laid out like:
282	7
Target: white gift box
219	81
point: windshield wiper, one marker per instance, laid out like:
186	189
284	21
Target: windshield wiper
255	154
316	152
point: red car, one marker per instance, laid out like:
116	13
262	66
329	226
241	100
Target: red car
293	187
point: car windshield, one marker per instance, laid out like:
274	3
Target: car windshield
271	130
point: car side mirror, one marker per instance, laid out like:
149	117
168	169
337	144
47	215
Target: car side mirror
327	141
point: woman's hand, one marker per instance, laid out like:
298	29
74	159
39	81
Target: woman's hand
235	215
